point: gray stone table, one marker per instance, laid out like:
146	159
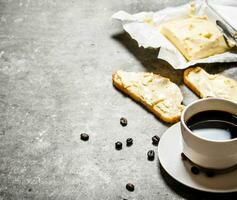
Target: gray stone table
56	61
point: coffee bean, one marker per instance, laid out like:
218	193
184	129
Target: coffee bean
123	121
184	157
84	137
210	173
151	155
118	145
130	187
129	142
195	170
155	140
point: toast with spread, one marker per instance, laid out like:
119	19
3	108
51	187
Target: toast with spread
209	85
158	94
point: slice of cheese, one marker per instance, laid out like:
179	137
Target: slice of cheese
208	85
196	37
158	94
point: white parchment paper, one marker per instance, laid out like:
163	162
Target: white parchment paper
148	36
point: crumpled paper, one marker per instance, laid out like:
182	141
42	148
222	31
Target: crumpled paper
142	27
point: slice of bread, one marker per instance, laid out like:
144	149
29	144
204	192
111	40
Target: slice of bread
158	94
209	85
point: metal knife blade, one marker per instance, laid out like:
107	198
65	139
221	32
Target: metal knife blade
227	32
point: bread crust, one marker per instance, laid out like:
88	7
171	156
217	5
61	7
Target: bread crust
189	83
223	87
152	108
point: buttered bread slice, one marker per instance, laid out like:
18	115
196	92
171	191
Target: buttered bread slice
209	85
158	94
196	37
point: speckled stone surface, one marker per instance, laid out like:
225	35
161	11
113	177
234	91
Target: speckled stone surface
56	61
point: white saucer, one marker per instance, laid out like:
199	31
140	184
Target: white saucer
169	153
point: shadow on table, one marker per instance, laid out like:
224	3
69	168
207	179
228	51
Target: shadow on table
189	193
148	58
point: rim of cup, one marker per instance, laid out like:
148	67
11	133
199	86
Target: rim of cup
183	122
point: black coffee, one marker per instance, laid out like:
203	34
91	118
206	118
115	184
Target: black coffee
214	125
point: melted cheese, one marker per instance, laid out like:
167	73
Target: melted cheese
155	90
196	37
213	85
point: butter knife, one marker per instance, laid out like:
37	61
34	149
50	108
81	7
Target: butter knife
227	31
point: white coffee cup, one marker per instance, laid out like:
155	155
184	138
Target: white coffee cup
214	154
